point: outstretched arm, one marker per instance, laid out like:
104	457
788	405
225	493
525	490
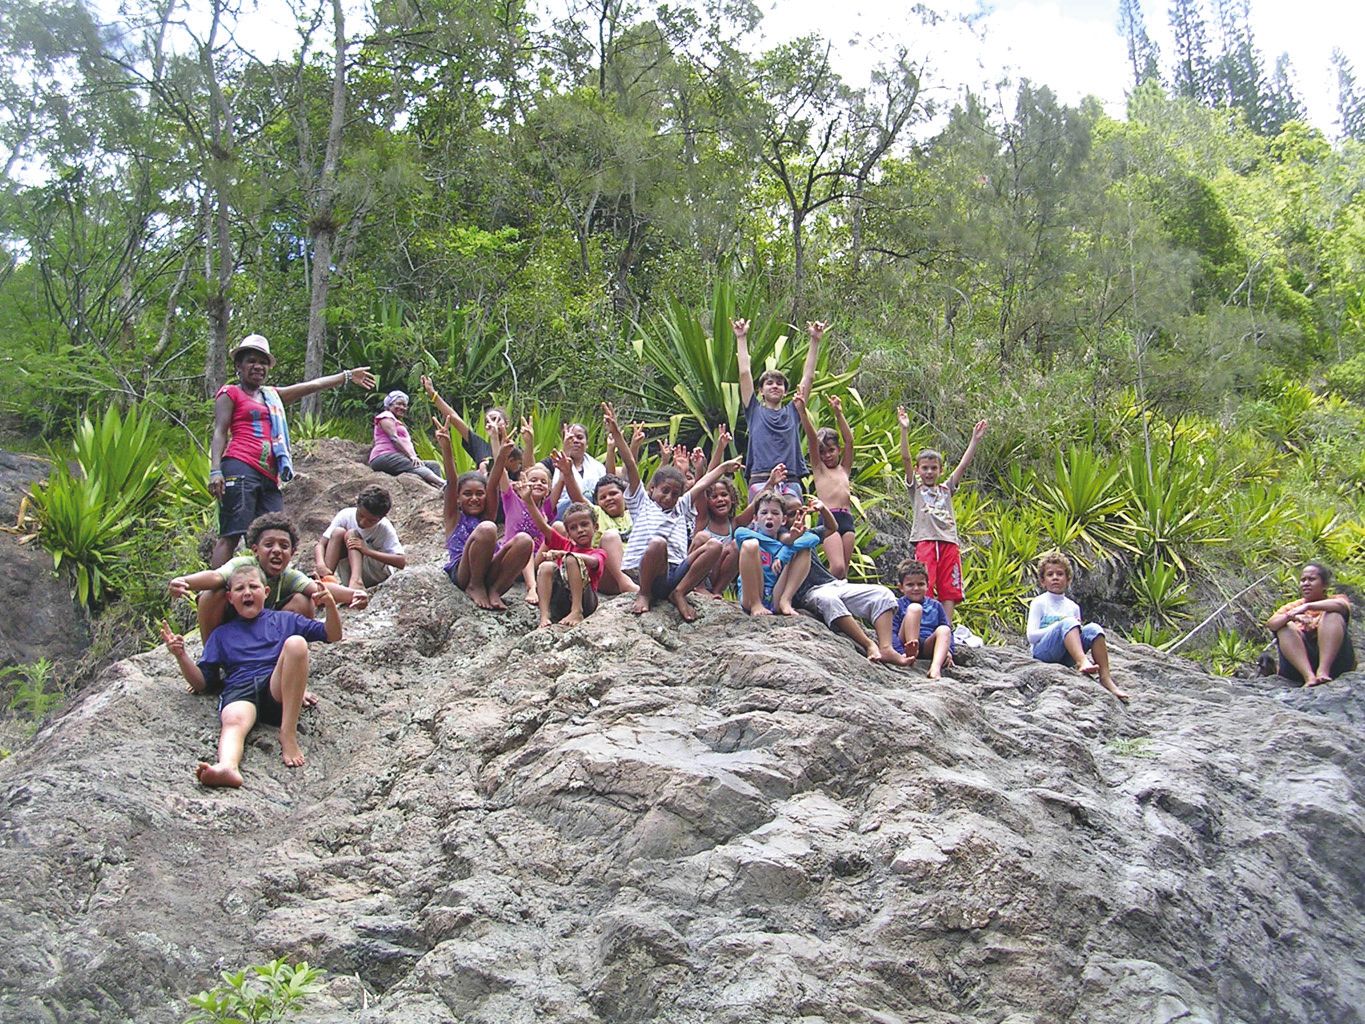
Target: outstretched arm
446	410
497	478
723	439
175	643
799	400
977	432
907	463
746	372
360	375
450	507
628	459
528	442
845	431
712	475
567	480
816	329
523	491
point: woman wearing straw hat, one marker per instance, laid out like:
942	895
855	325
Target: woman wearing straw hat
393	452
249	454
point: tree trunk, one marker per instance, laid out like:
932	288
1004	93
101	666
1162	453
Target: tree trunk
220	170
322	225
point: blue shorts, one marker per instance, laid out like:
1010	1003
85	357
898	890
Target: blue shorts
667	582
268	709
247	493
1052	647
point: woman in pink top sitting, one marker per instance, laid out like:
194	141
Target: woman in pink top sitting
393	452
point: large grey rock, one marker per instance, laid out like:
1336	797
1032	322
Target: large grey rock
733	821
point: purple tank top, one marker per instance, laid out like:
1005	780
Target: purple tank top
459	537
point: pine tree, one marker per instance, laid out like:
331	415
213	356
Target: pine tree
1143	56
1240	76
1194	72
1350	103
1283	103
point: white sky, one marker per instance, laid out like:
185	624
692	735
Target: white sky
1073	46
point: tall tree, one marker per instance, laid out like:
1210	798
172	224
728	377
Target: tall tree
1240	76
1283	103
1143	55
1350	101
1194	72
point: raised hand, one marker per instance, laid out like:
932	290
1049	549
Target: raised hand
697	458
835	403
681	457
637	434
428	387
527	426
902	417
609	416
361	375
523	490
816	329
741	328
979	430
732	465
723	435
442	430
561	462
778	475
175	643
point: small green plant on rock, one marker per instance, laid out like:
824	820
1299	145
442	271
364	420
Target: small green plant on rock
1137	746
34	694
261	992
1231	651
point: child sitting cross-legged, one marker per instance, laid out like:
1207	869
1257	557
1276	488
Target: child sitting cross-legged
611	521
362	544
259	661
476	564
1055	630
568	567
920	625
657	551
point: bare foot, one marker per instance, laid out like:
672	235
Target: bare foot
893	657
291	753
542	623
310	699
217	775
1318	680
760	609
1089	668
935	673
479	595
495	602
532	598
640	605
684	606
716	595
785	608
911	651
704	592
571	620
874	655
359	600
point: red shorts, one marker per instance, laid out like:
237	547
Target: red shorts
944	563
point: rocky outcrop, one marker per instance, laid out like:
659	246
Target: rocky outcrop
731	821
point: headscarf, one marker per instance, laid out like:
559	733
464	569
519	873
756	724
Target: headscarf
396	396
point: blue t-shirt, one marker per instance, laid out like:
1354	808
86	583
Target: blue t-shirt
245	650
774	436
934	616
773	555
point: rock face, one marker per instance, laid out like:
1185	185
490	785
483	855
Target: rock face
37	617
732	821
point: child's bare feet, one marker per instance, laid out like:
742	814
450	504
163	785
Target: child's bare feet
760	609
911	651
217	775
359	600
532	598
1089	668
544	621
935	672
1318	680
310	699
291	753
684	606
785	608
640	605
571	620
891	656
480	597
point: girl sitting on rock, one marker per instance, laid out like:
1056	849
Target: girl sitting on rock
1311	633
476	564
1055	630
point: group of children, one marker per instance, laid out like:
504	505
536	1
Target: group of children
572	528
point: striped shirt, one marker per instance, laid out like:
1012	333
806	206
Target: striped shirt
648	521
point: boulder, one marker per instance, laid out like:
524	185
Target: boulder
731	821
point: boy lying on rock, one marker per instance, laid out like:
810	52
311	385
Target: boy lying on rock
259	662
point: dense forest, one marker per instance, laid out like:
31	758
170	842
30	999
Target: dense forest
1161	315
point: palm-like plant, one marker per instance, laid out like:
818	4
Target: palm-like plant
1086	506
1172	509
1160	591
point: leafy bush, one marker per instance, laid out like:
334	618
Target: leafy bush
260	993
1231	651
1160	591
1348	379
1085	505
35	691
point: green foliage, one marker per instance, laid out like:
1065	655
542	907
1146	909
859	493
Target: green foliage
1153	634
35	694
1231	651
682	358
1347	379
1160	592
1085	505
86	530
1170	509
1137	746
258	994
